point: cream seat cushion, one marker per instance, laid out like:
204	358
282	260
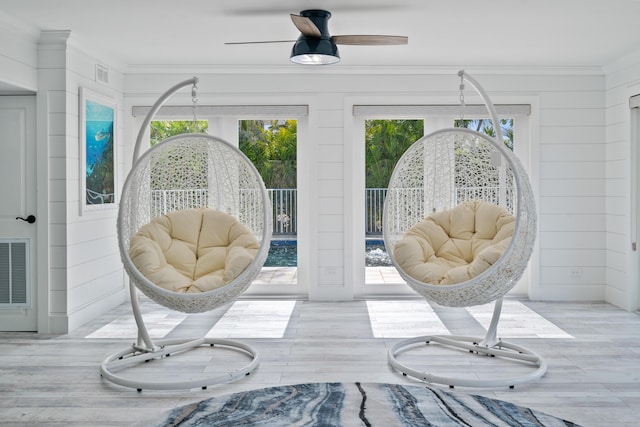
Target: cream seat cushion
456	245
193	250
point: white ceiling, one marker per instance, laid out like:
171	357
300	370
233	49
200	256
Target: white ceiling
465	33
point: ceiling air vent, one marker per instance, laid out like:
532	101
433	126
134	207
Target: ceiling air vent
102	74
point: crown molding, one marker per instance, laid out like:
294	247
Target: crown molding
332	70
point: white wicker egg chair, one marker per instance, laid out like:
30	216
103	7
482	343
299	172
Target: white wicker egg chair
433	179
185	174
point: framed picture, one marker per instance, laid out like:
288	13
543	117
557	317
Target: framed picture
97	151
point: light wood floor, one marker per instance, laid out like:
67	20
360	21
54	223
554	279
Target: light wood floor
593	352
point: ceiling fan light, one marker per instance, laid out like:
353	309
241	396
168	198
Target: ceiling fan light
315	59
312	51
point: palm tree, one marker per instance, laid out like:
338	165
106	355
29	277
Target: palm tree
486	126
271	147
386	141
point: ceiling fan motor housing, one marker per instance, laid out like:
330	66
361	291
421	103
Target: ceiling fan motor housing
315	46
320	18
313	50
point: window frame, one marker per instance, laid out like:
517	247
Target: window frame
435	117
223	122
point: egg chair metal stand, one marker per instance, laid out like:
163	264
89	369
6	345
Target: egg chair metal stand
232	185
437	173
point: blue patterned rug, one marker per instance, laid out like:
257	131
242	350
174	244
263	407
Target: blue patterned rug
344	404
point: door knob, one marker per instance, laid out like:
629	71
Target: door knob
30	219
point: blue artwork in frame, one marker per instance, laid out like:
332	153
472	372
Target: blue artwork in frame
97	149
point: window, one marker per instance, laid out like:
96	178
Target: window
271	145
163	129
385	140
486	126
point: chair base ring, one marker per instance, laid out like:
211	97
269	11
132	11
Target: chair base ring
502	349
135	355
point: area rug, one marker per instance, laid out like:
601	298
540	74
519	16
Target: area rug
356	404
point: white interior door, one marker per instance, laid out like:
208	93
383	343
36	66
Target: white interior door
17	200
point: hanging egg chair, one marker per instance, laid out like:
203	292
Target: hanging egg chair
194	229
459	224
193	208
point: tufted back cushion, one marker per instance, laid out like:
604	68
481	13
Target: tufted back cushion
193	250
456	245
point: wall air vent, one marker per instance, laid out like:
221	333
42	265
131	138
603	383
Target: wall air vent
14	278
102	74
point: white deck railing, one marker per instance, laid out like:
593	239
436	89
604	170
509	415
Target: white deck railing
284	202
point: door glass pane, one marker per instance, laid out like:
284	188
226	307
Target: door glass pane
163	129
271	147
486	126
385	142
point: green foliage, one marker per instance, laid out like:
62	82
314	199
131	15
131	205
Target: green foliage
271	147
271	144
486	126
385	142
163	129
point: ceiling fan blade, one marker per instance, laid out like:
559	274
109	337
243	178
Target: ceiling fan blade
305	26
370	40
263	42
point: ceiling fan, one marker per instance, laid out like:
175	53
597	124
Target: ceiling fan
316	46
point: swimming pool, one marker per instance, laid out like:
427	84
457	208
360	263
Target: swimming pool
283	253
376	255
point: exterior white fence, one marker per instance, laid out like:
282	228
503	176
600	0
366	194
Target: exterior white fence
375	204
285	200
163	201
285	210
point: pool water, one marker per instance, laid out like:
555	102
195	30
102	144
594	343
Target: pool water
283	253
376	254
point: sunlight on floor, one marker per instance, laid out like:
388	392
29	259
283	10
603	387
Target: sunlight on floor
388	319
254	319
517	321
159	324
403	319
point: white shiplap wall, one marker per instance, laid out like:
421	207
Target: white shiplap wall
566	160
85	276
622	82
571	189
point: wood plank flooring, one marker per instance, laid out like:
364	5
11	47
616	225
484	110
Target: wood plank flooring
593	352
